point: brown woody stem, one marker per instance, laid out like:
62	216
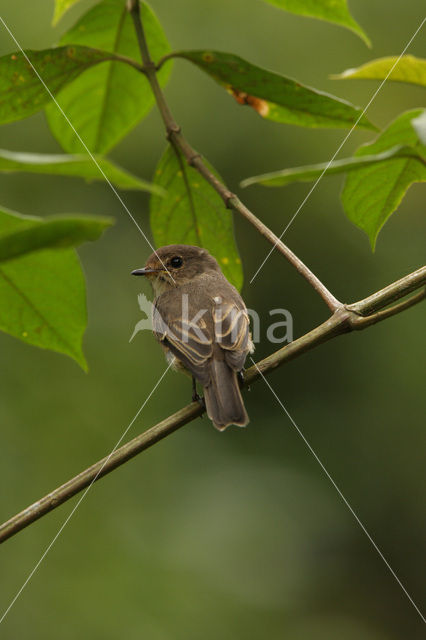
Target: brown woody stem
346	319
196	161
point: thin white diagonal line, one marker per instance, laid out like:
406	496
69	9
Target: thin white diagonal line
341	145
68	518
339	492
86	148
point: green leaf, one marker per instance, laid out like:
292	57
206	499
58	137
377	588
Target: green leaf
81	166
372	194
408	69
419	126
273	96
104	104
378	175
193	213
312	172
21	91
42	294
50	233
61	7
335	11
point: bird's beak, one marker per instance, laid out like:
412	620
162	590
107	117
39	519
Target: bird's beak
145	271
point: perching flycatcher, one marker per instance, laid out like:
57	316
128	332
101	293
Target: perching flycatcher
201	321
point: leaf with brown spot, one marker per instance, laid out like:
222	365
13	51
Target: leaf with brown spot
259	105
273	96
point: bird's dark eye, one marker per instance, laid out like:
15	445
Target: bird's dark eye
176	262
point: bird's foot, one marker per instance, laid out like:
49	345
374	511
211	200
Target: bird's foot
240	376
199	399
195	396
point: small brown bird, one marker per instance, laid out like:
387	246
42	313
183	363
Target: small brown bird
202	323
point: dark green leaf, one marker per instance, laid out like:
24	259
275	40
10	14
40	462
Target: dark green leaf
42	294
73	165
274	96
193	213
50	233
61	7
408	69
335	11
107	102
372	194
311	172
21	91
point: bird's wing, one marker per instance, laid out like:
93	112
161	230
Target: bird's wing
232	332
191	342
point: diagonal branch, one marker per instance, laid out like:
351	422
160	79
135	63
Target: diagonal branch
196	161
346	319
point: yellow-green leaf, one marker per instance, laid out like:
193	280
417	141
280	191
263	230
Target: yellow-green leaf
335	11
419	125
407	69
61	7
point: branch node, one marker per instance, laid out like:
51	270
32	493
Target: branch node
227	197
148	67
132	6
192	159
172	129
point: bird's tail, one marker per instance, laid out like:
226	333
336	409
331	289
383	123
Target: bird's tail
224	403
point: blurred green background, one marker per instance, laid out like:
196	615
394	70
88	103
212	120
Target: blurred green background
240	534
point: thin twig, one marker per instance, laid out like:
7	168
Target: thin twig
362	323
391	293
132	63
195	160
342	321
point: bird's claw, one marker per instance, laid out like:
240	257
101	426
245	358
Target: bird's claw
195	396
240	376
199	399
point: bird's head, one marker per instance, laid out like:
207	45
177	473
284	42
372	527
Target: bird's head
175	265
